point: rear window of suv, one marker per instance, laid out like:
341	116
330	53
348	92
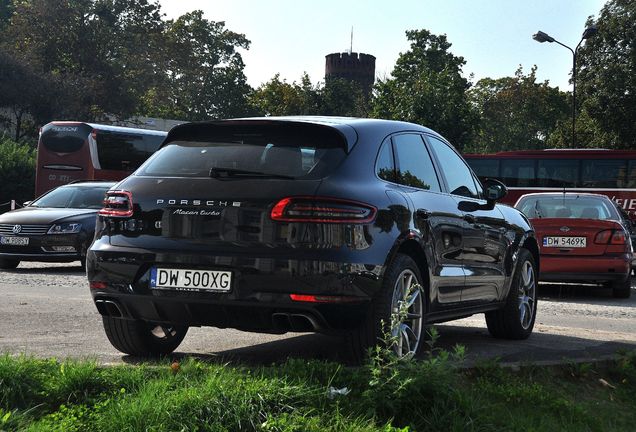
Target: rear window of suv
239	153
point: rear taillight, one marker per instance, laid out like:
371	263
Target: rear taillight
117	204
97	285
323	299
613	237
322	210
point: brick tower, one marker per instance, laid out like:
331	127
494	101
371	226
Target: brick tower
352	66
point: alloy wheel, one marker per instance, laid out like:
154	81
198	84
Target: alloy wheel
407	307
527	294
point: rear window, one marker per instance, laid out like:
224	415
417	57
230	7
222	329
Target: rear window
73	197
64	138
576	207
257	152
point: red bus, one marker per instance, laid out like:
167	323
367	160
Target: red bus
69	151
607	172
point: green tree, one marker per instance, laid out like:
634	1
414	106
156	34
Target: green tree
338	97
516	113
81	44
26	96
17	172
606	80
427	87
278	97
204	75
342	97
94	59
6	10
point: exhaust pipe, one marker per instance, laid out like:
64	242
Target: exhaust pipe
295	322
109	308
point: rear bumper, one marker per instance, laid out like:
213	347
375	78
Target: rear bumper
259	299
582	277
49	257
581	269
274	314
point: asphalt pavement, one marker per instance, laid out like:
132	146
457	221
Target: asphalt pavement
46	311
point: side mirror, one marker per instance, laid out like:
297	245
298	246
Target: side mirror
26	203
494	190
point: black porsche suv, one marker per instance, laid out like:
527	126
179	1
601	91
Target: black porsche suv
360	227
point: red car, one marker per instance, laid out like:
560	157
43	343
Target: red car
582	238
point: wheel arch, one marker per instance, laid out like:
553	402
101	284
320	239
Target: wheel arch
412	248
532	246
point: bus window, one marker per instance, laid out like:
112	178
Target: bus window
485	168
557	172
630	179
603	173
119	151
518	172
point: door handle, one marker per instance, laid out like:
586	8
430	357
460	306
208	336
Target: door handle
469	218
423	213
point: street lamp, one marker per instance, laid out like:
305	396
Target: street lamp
588	33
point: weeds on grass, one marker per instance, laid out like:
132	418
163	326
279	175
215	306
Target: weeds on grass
387	394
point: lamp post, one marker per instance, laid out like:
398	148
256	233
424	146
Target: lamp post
588	33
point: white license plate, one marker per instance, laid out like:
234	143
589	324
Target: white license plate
565	242
14	241
190	280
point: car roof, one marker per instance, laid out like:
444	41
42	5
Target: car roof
91	183
561	194
349	127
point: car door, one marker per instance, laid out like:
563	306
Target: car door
435	217
484	227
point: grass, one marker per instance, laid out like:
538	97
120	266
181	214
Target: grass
386	394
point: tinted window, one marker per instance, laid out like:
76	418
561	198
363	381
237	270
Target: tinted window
73	197
602	173
458	176
577	207
557	172
385	168
414	164
293	152
630	178
518	172
64	138
125	151
484	168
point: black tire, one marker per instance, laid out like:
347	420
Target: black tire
516	319
137	338
374	331
622	289
8	264
83	256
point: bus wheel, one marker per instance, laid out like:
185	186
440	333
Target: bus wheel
7	264
141	338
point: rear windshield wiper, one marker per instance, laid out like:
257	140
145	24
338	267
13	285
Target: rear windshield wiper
221	173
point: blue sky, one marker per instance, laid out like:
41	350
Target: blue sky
494	36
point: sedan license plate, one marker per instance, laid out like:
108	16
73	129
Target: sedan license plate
14	241
565	242
190	280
